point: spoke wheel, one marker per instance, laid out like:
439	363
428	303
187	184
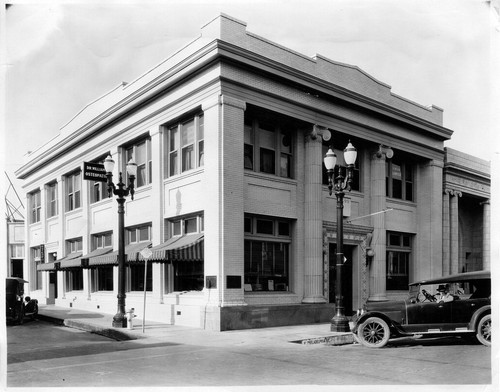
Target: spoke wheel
373	332
484	330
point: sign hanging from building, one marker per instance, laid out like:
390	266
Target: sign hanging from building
94	171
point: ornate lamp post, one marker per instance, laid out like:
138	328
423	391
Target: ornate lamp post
339	322
119	319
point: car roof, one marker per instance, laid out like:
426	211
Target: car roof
463	277
21	280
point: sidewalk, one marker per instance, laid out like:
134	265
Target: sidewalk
101	324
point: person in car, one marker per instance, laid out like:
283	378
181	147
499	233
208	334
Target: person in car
444	294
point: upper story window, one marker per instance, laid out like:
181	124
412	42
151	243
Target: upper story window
141	152
399	179
138	234
189	224
268	147
51	199
74	245
98	189
184	146
73	191
35	206
102	240
337	144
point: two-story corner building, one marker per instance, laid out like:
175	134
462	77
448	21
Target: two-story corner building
229	135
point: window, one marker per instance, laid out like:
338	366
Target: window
341	143
102	276
185	225
138	234
184	146
51	200
268	146
141	153
398	257
73	191
399	180
98	189
267	253
74	246
74	279
104	240
135	276
35	206
36	253
17	251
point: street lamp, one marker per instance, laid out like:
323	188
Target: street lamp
339	322
119	319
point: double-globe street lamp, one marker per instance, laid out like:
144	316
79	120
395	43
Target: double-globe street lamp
119	319
339	322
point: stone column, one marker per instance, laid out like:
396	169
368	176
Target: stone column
378	203
486	235
446	233
313	220
454	242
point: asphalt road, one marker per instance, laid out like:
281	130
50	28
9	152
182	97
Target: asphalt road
41	354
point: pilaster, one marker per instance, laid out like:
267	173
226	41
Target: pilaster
446	233
313	220
224	199
486	235
378	203
454	241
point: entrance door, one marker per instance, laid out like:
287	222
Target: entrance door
346	277
53	284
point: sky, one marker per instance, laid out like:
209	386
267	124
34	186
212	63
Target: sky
59	56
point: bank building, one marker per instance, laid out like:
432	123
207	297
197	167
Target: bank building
231	196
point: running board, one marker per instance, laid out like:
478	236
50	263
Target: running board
438	331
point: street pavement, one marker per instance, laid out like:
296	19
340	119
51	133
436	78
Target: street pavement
45	355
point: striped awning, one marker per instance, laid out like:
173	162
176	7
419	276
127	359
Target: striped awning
131	253
187	248
72	260
52	266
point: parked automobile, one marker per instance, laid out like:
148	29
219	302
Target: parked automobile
17	306
467	314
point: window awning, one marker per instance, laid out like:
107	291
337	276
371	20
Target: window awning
52	266
71	261
187	248
111	258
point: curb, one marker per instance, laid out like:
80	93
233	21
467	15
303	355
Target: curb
334	340
111	333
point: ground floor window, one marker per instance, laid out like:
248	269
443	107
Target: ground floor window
188	275
102	278
135	277
266	265
74	280
398	258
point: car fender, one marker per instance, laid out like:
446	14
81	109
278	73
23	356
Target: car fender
366	315
477	316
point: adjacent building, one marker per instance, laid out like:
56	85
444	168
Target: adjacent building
229	135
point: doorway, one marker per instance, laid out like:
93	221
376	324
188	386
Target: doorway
346	276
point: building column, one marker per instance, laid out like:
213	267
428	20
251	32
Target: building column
454	242
446	233
313	220
224	202
157	197
61	208
378	203
486	235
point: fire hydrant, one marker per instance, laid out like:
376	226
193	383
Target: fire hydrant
130	317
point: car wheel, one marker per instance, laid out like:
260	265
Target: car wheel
484	330
373	332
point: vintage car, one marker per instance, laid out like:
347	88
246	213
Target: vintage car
467	314
16	306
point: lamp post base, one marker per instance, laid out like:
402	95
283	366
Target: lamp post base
119	320
339	324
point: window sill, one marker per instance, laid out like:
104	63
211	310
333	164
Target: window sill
270	177
186	174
